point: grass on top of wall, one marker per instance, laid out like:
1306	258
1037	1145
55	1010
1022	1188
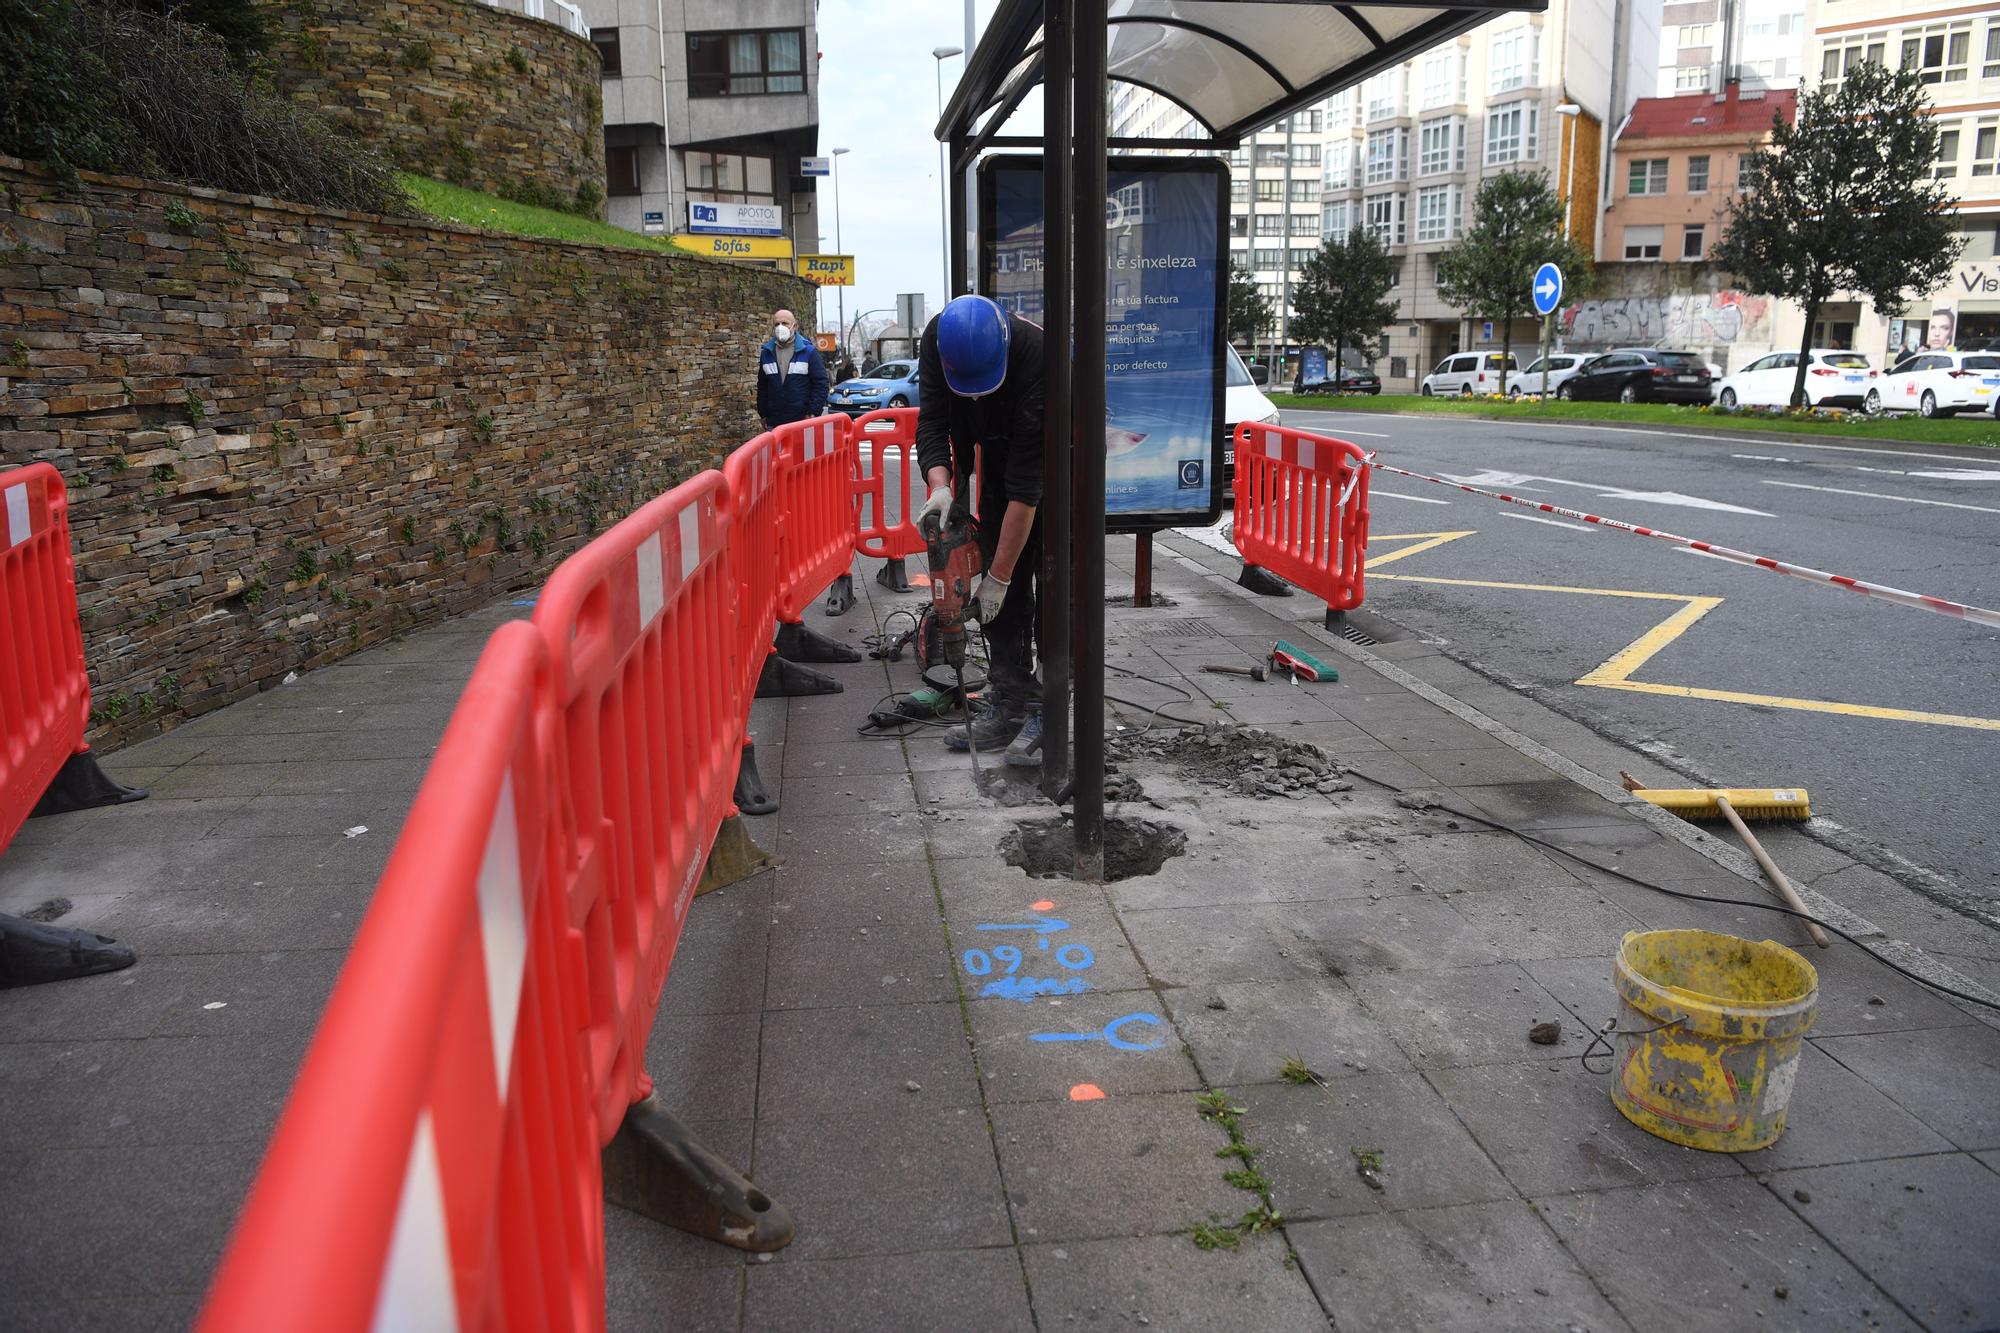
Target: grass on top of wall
470	208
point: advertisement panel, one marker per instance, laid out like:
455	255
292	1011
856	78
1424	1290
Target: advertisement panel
827	270
736	219
1164	291
1312	365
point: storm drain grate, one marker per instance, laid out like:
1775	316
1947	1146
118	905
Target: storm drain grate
1189	627
1353	635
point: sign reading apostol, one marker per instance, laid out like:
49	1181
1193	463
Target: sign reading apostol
1164	291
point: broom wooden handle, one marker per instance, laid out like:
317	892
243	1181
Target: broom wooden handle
1784	886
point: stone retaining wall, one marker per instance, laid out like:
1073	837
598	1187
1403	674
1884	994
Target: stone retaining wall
289	434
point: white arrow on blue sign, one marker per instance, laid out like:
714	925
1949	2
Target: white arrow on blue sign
1548	288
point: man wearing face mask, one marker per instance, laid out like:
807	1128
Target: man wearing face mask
979	384
791	376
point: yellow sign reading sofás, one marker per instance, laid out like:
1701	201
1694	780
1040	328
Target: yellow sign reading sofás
735	247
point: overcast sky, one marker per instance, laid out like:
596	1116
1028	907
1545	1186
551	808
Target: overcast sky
878	98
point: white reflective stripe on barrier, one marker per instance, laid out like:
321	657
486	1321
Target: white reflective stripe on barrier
652	595
690	519
18	529
503	930
1306	454
417	1293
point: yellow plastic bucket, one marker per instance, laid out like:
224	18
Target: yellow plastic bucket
1708	1036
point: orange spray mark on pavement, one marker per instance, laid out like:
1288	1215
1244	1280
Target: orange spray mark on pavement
1086	1092
1044	906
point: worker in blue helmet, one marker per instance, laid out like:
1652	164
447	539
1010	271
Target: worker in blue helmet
980	388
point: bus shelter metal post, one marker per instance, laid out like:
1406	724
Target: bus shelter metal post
1058	22
1087	434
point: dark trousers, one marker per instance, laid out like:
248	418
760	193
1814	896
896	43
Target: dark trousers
1012	639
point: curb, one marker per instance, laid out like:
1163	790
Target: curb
1730	858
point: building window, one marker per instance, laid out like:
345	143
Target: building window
1333	222
1513	60
1270	192
1438	213
1696	34
1267	260
1270	154
740	64
1644	242
1306	122
1237	157
1983	145
1648	176
1270	224
606	42
1305	192
1691	239
1691	79
1441	146
1991	68
1946	165
1749	173
1384	94
1938	54
1698	174
1388	156
1305	154
1836	58
1443	79
1239	225
1239	191
621	171
1510	134
1337	165
1305	224
1271	291
1384	218
729	178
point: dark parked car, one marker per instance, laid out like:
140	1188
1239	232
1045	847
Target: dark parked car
1354	378
1641	375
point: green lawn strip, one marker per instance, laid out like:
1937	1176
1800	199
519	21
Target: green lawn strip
449	203
1981	430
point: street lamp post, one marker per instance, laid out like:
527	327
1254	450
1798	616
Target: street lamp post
941	54
840	293
1569	111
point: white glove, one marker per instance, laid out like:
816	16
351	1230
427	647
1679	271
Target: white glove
937	506
986	601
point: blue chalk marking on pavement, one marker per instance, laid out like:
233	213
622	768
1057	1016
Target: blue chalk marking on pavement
526	601
1110	1035
1041	925
1027	989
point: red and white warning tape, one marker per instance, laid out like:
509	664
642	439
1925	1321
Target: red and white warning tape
1920	601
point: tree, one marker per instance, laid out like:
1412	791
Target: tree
1343	296
1843	201
1517	226
1249	311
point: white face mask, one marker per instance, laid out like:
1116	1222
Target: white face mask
783	333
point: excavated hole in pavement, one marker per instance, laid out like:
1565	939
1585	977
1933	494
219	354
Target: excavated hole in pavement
1046	848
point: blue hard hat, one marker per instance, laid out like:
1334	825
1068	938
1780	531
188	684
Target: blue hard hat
972	345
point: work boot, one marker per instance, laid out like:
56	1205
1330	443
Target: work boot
991	728
1026	748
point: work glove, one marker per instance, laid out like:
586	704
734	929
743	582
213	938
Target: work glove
986	601
938	506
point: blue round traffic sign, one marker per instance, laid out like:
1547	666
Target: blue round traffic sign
1548	288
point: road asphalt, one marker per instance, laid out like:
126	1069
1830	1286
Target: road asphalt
1916	797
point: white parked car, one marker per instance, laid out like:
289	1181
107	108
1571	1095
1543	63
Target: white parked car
1833	379
1939	384
1562	365
1242	401
1467	373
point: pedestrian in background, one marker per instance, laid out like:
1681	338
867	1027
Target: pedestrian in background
791	376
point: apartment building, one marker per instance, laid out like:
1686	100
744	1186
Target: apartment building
1676	164
1403	154
710	102
1759	43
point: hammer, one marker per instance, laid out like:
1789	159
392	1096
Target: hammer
1254	672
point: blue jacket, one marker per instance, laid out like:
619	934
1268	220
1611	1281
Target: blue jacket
794	396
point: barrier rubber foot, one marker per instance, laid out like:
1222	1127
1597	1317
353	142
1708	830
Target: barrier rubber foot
781	678
32	953
733	858
894	575
840	597
81	785
656	1168
1336	620
800	644
1263	582
751	797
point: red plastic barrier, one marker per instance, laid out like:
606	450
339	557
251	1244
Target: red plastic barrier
642	629
816	492
1302	509
44	688
437	1164
755	523
885	448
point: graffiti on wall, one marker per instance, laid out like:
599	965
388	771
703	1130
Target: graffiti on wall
1703	319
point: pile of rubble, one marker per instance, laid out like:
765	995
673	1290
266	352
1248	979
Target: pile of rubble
1246	760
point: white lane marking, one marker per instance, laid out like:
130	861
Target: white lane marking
1956	474
1881	495
1667	435
1552	522
1398	495
1512	481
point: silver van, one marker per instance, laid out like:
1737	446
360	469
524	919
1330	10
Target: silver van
1469	373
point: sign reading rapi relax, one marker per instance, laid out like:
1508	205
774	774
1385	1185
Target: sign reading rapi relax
826	270
736	219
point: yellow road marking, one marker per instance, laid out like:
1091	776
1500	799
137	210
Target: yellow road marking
1425	541
1617	672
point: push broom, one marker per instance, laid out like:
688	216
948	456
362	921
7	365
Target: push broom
1732	804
